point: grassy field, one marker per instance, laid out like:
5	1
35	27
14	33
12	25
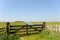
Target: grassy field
3	24
44	35
48	23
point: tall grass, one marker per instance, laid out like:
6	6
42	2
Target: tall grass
11	37
47	35
44	35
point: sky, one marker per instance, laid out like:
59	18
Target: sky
29	10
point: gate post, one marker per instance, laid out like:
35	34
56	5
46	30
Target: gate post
27	29
44	25
7	30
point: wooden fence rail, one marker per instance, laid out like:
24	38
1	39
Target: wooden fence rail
2	31
22	30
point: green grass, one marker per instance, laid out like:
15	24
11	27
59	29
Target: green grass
2	24
11	37
36	22
44	35
18	23
47	35
52	23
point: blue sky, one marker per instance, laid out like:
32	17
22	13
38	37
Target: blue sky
30	10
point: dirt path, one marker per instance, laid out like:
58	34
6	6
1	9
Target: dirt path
21	38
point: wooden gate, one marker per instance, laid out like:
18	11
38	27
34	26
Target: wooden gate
21	30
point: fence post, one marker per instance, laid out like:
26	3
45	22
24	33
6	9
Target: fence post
7	30
27	29
44	25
